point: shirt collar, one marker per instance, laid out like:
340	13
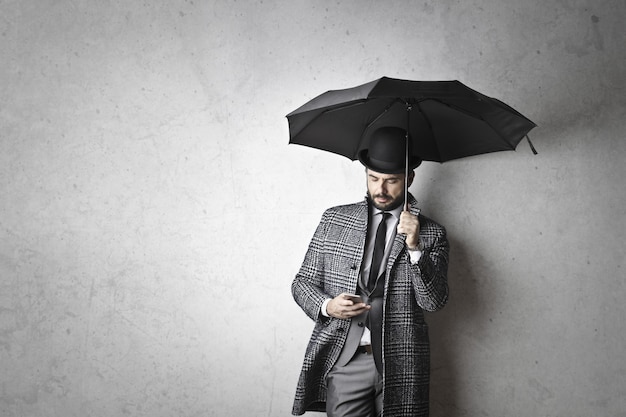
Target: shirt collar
395	212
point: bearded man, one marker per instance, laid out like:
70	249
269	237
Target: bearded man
371	270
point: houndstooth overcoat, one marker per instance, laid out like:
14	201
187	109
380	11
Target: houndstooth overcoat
331	266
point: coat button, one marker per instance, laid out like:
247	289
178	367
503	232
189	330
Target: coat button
360	324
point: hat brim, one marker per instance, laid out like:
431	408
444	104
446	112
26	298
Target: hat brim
386	167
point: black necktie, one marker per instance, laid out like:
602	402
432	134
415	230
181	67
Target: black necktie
379	251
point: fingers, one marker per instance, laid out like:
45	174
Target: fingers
409	218
343	307
408	224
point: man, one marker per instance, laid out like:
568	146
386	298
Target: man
369	356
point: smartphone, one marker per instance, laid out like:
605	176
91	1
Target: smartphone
355	298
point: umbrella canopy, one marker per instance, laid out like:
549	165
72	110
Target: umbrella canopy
445	119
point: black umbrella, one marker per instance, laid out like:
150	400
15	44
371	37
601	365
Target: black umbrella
445	119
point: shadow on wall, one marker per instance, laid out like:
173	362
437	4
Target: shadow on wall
465	306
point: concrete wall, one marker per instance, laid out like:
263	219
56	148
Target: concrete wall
152	215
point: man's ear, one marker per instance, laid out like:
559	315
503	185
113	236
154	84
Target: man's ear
411	178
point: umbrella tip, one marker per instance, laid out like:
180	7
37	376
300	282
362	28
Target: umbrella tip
532	148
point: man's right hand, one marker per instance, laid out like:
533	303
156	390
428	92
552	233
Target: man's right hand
342	307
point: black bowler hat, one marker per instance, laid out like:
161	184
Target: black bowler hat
387	152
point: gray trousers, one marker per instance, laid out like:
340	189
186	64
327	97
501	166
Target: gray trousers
355	389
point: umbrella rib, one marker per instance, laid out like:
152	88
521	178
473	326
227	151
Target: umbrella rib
338	107
370	124
469	113
430	125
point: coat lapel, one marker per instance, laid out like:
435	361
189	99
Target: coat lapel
359	234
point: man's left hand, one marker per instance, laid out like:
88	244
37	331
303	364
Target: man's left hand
409	225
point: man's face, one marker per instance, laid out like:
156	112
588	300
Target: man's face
386	190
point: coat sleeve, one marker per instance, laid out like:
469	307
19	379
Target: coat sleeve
307	287
430	273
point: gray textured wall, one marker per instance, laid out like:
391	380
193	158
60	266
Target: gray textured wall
152	215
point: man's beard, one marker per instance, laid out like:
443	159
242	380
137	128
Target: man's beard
393	204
